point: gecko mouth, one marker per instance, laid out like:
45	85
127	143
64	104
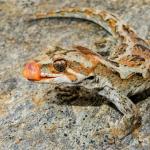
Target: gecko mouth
32	71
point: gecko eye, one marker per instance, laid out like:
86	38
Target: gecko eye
60	65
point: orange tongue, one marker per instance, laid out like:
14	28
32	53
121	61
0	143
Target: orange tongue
31	71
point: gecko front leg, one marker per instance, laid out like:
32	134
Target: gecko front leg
131	118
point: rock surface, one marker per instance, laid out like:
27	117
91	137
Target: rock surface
29	118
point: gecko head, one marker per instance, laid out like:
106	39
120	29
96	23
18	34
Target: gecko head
62	66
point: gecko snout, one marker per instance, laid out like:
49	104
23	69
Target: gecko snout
32	71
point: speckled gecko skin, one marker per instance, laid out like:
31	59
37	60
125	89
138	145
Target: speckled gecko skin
116	81
131	55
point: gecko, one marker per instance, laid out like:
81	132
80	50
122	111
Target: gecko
124	73
131	53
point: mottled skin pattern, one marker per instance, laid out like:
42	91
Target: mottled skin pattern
76	68
131	54
114	81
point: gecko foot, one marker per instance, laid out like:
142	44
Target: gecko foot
118	131
111	135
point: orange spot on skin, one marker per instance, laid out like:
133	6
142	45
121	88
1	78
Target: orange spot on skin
131	61
72	9
112	23
80	68
51	13
141	51
103	14
89	12
90	55
31	71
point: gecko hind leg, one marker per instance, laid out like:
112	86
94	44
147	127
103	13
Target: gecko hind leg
131	119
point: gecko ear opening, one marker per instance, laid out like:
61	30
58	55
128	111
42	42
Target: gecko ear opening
92	77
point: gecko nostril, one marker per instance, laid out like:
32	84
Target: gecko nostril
31	71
